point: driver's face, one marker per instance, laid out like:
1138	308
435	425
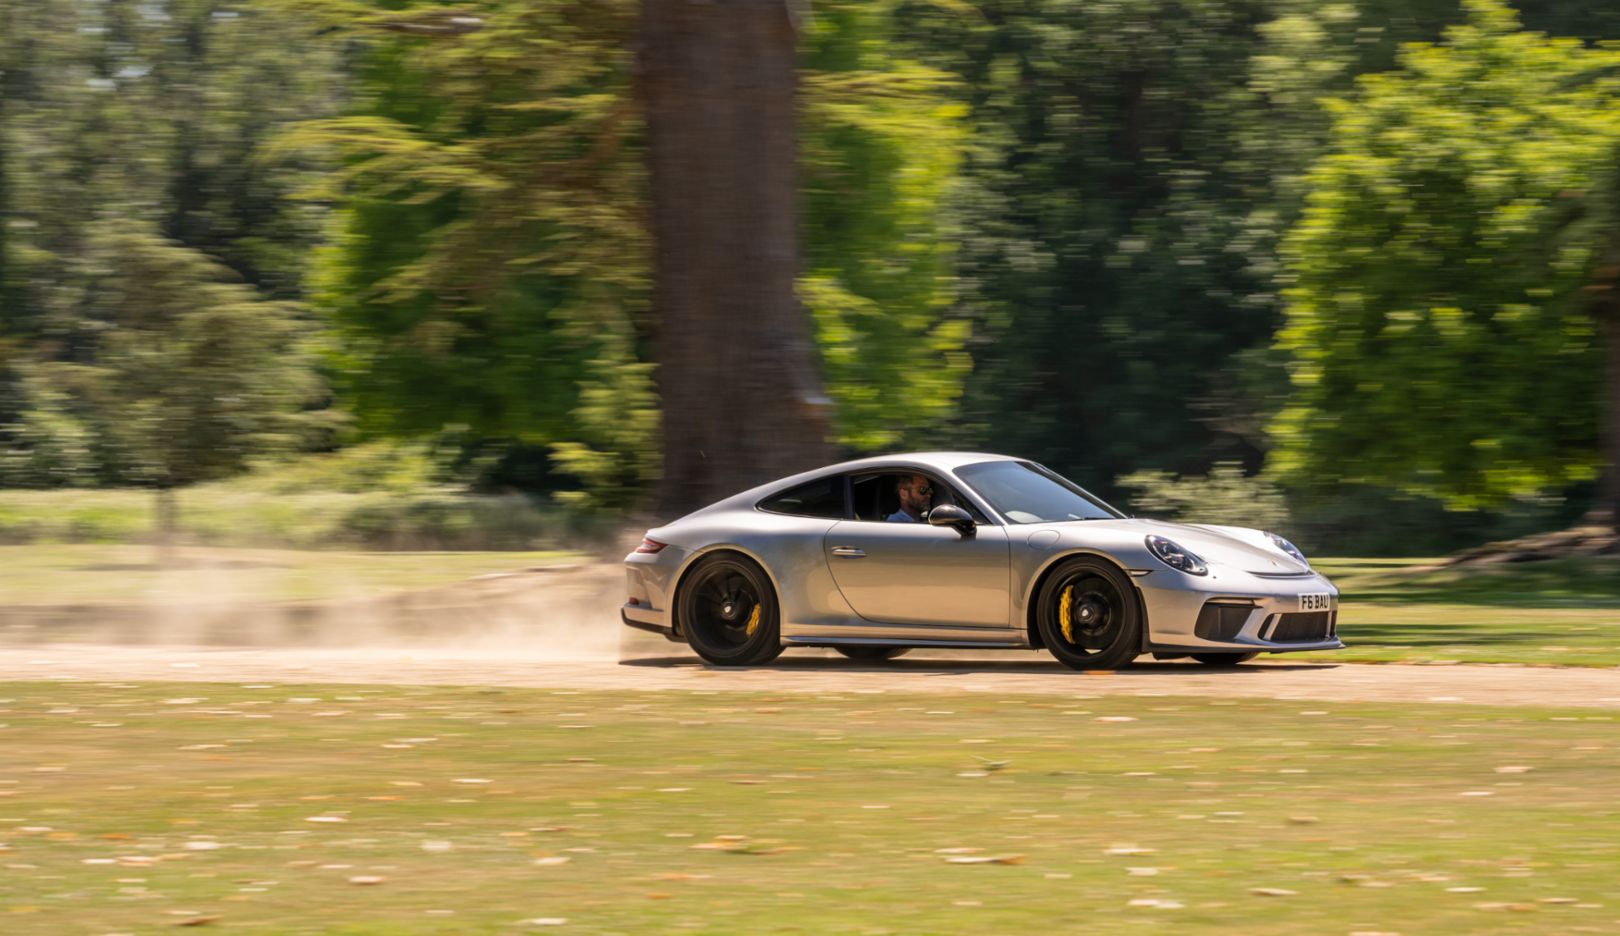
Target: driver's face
916	492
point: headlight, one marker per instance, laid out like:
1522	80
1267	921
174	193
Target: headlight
1288	548
1175	557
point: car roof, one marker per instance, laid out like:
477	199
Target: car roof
946	461
937	461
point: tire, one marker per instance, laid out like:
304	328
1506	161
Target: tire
1223	660
1103	625
728	611
870	654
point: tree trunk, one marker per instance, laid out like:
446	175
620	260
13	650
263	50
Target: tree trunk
166	525
741	395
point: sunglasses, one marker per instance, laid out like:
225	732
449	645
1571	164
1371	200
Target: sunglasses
924	488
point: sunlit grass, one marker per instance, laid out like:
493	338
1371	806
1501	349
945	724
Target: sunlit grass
128	808
98	575
1564	611
245	514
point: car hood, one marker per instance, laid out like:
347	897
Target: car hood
1233	547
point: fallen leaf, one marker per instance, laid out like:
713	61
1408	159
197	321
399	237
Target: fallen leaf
1156	903
1128	848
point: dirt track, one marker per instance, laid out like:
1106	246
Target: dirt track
660	666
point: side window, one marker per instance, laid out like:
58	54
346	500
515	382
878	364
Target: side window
823	498
876	496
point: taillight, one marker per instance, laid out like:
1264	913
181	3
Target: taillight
650	545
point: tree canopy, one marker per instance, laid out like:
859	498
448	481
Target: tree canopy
1440	323
1344	253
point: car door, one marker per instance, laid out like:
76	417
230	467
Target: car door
914	573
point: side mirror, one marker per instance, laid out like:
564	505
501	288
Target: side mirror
952	516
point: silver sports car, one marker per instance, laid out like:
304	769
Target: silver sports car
955	549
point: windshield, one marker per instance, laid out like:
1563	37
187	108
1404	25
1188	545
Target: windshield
1024	492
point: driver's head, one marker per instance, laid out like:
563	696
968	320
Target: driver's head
916	494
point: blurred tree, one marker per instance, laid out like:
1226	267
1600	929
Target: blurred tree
1131	170
154	114
1457	255
487	270
192	374
742	397
490	265
881	143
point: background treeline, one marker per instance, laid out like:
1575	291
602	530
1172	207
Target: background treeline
1255	259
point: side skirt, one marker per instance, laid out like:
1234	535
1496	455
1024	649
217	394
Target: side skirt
1005	644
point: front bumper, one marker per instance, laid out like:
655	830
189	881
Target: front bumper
1238	612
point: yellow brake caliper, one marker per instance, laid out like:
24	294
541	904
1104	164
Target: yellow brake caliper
753	621
1064	624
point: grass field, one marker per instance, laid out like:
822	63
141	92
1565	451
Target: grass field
1564	612
90	575
245	513
289	809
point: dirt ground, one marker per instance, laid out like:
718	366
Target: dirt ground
655	665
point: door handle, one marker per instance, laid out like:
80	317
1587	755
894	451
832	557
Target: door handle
849	552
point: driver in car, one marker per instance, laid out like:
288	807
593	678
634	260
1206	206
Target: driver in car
916	497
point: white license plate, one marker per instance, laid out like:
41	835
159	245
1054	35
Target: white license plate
1315	602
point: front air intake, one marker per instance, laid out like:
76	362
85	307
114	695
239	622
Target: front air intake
1305	627
1223	621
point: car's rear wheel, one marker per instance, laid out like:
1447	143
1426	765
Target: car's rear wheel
868	654
1088	616
728	611
1223	659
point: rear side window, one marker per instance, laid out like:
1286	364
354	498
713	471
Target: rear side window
823	499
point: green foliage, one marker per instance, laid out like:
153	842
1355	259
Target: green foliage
1437	318
142	230
881	150
190	374
1131	169
47	443
388	465
1224	496
488	267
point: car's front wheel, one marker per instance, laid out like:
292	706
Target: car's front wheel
869	654
1088	616
728	611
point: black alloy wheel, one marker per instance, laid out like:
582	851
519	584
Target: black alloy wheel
1223	659
870	654
1088	615
728	612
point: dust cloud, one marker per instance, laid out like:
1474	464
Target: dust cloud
561	612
